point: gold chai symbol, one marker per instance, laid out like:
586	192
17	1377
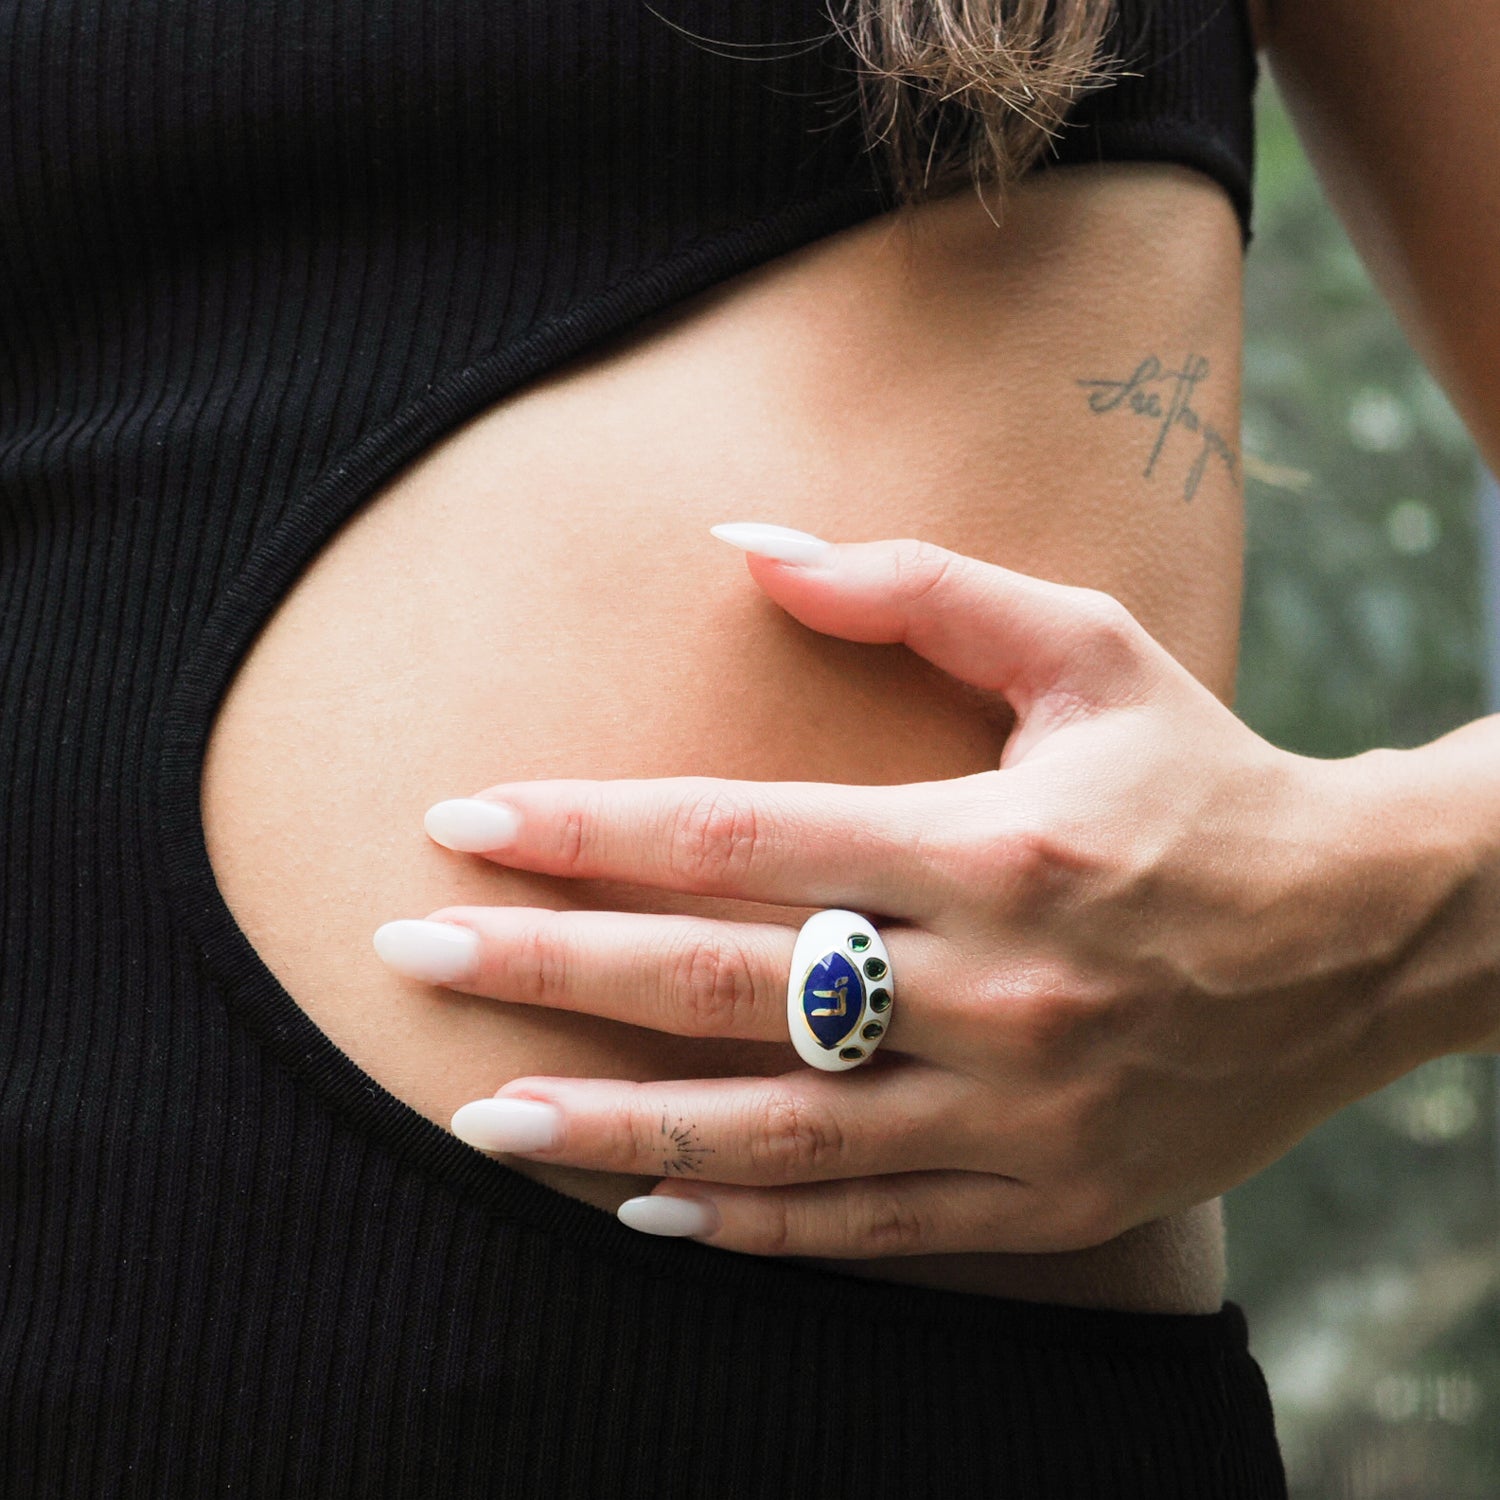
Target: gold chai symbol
839	992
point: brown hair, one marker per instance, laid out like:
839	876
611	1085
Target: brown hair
957	90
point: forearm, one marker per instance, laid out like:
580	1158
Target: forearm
1435	812
1358	77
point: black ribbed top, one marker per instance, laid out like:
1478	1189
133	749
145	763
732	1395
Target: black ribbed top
255	257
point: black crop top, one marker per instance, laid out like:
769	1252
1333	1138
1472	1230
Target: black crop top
255	256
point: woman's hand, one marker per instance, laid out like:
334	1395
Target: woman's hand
1132	966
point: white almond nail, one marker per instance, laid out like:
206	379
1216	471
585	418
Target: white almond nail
660	1214
508	1124
471	825
438	952
780	542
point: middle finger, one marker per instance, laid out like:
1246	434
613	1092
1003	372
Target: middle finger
688	975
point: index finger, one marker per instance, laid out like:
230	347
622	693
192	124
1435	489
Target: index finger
797	843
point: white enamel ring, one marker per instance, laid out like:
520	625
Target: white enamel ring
839	993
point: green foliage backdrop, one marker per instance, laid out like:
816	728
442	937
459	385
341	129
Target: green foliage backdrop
1368	1258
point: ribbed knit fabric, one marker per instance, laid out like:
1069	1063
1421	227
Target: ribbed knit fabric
254	257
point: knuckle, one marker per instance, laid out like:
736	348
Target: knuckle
885	1223
1103	615
1028	857
771	1232
714	836
919	568
1054	1016
633	1137
541	964
712	988
573	838
1025	867
1111	635
792	1142
1048	1020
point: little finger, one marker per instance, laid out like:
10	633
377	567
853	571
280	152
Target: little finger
911	1213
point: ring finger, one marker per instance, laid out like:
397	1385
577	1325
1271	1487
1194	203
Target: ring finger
691	976
895	1115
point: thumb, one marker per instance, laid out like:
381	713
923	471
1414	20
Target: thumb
1030	640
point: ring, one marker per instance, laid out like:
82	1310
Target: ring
840	990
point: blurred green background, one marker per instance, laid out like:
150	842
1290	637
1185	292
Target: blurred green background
1368	1259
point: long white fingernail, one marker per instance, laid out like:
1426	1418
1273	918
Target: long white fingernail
660	1214
508	1124
438	952
780	542
471	825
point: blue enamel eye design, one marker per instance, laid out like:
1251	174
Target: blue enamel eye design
838	991
833	999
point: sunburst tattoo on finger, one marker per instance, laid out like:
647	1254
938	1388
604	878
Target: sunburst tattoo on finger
683	1150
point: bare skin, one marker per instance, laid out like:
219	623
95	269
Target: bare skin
1409	168
538	596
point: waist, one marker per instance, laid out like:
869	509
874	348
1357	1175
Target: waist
539	597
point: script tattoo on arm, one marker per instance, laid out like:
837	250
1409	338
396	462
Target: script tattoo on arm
1165	397
681	1148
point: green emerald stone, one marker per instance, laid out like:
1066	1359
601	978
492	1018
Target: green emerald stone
875	968
859	941
851	1052
880	999
870	1030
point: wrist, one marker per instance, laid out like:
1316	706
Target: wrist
1427	850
